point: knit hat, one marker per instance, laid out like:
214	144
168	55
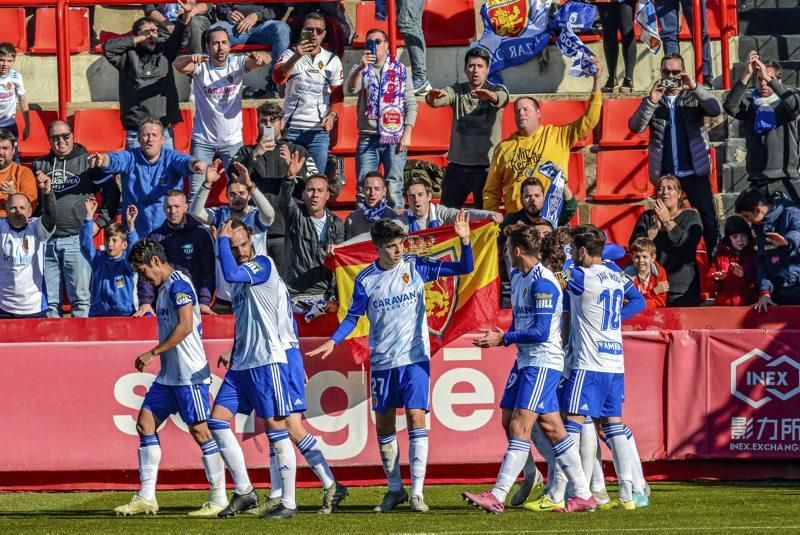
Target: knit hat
736	225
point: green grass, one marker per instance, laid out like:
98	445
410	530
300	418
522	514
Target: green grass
675	507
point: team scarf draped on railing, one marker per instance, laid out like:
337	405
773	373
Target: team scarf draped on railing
454	305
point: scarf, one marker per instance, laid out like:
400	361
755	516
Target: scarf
412	221
648	22
554	198
572	47
765	113
381	10
374	214
386	100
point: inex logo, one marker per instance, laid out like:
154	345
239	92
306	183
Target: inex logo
757	378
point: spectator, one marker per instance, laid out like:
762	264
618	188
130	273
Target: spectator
647	275
217	82
311	229
423	214
532	192
167	15
732	272
668	14
267	163
776	222
374	208
73	181
190	249
22	240
12	91
675	111
340	29
258	218
14	178
475	131
257	24
386	111
519	157
676	232
146	81
147	173
617	18
112	275
409	22
769	114
313	78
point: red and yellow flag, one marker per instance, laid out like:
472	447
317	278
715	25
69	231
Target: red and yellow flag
455	305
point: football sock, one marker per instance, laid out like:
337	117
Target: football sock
286	464
418	458
568	460
621	452
232	454
513	461
598	481
588	448
316	460
636	464
149	458
275	487
575	430
215	471
390	456
545	449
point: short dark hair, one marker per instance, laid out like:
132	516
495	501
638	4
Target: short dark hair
541	222
7	49
271	110
144	250
477	52
673	55
551	252
315	15
531	181
377	30
375	174
115	229
418	181
775	66
589	237
748	200
56	123
215	29
238	223
384	231
536	103
138	23
527	239
8	135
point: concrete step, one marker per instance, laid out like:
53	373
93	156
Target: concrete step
747	5
734	178
791	72
778	47
734	150
762	21
725	202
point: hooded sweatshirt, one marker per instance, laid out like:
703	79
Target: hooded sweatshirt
778	267
73	182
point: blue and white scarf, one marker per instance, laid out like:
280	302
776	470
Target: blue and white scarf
386	100
765	113
648	22
554	199
412	221
576	17
381	10
374	214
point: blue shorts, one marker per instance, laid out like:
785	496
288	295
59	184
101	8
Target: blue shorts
190	401
532	388
595	394
265	389
297	380
401	387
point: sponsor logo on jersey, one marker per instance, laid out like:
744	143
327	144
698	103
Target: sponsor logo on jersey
255	267
182	298
544	300
395	301
757	378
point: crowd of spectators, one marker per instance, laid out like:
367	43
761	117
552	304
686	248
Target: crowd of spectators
279	189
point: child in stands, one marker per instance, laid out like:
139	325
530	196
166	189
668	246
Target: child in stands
12	90
732	270
647	275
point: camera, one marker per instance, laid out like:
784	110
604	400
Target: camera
669	83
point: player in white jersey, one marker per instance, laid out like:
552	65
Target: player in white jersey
530	393
600	298
266	375
391	291
181	385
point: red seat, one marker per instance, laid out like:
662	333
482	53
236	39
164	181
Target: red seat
44	39
555	112
345	138
249	126
614	124
431	130
12	20
576	177
182	132
99	130
365	21
622	175
448	22
347	197
616	220
37	143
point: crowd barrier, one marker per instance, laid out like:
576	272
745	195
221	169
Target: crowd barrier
710	392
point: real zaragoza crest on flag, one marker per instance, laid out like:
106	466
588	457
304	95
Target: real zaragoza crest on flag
454	305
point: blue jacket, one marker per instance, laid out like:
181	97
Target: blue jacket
112	278
145	184
778	267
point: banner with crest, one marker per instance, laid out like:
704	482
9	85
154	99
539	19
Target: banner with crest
455	305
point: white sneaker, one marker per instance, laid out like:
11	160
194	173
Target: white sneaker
418	504
601	496
209	510
137	506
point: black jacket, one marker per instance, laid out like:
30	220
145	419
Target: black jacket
73	181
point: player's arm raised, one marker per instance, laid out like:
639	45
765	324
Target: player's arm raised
430	269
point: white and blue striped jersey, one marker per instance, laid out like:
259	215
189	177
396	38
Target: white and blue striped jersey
186	363
221	214
537	303
263	321
11	88
597	296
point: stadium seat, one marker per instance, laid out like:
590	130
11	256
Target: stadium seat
614	131
345	137
249	125
182	132
431	130
576	179
44	35
365	21
622	175
37	143
448	22
12	20
616	220
556	112
347	197
99	130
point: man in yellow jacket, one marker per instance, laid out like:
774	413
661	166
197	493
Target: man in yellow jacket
519	156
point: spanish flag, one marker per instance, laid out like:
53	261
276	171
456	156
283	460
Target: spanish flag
455	305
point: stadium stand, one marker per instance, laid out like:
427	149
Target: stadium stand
12	20
99	130
44	36
37	143
614	131
622	176
616	220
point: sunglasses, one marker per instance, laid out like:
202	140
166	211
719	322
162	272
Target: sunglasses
62	137
318	31
672	72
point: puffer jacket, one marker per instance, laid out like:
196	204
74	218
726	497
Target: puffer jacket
778	267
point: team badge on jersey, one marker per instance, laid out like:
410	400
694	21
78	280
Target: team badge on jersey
9	85
229	78
119	281
163	180
320	65
406	278
183	298
188	248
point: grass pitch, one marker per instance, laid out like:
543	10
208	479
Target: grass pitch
675	507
